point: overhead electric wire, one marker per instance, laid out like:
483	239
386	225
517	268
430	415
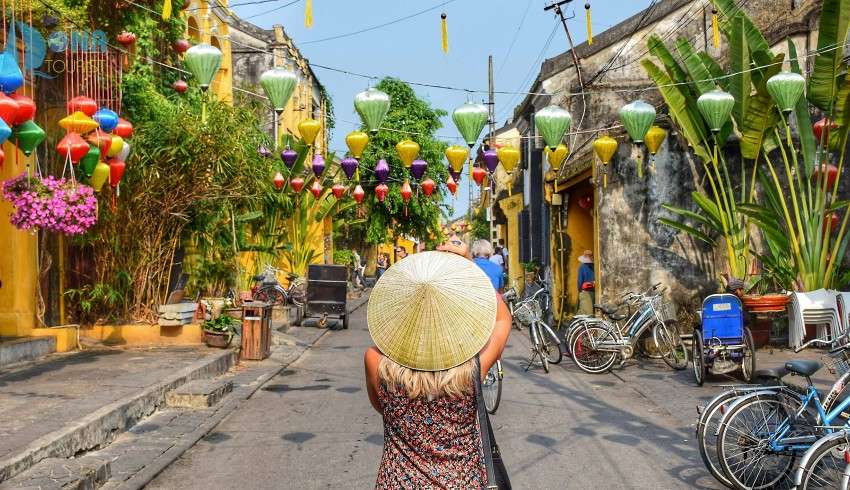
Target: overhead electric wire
534	66
513	41
293	2
241	4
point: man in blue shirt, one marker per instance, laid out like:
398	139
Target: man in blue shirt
481	252
585	283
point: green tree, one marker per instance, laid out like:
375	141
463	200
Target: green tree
480	229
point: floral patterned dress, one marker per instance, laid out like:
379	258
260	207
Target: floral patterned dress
430	444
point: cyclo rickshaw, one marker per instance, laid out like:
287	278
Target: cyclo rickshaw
721	343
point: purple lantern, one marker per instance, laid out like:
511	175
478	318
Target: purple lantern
491	160
264	152
318	165
289	156
382	171
349	166
417	168
455	175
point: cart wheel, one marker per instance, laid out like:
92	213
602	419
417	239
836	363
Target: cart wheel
698	357
345	321
748	364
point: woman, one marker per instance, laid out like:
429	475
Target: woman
430	317
381	265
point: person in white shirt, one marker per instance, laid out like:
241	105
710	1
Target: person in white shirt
497	258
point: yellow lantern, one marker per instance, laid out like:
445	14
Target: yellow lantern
557	157
653	139
605	147
407	150
309	129
508	157
99	176
457	155
357	141
115	146
78	122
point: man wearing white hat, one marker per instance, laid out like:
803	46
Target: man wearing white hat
585	283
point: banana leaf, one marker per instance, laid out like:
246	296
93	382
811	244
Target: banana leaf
740	83
838	137
689	214
689	230
808	145
714	68
729	12
760	117
832	34
709	208
659	50
696	69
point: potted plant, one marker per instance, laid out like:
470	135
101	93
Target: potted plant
219	332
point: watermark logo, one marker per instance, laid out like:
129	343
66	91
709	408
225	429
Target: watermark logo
39	51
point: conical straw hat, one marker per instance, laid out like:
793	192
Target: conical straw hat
432	311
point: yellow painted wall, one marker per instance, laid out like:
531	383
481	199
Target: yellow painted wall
580	231
512	206
66	337
134	335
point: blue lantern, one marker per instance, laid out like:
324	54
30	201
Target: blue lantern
11	77
5	131
107	119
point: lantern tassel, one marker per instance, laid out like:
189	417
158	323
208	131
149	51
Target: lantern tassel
308	14
605	179
589	28
445	32
715	29
166	10
640	167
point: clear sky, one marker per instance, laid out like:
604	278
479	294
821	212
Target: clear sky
515	32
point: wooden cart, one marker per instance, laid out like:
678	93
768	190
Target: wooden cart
327	290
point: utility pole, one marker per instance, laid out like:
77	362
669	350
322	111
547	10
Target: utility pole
491	106
560	13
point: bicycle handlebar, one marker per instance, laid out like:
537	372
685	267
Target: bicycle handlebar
811	342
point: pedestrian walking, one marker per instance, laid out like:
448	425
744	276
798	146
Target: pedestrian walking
482	252
497	258
401	253
381	265
585	283
357	270
438	327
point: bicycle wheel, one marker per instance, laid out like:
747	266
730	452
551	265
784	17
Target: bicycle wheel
743	443
271	295
586	357
491	388
671	345
698	357
748	364
298	294
828	467
550	344
707	426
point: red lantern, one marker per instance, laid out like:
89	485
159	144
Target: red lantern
406	192
297	184
381	191
83	104
102	141
452	185
586	201
428	187
831	174
478	175
26	108
116	171
8	109
72	146
338	190
180	86
316	189
278	181
358	194
126	38
181	46
124	128
2	157
824	125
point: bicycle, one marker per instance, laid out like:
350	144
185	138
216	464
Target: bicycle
545	344
268	290
491	387
826	464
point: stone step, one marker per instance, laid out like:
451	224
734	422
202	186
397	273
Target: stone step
25	349
203	393
86	473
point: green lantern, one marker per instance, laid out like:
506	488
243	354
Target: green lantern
786	88
28	136
278	84
89	160
203	60
470	119
372	105
552	123
637	117
716	107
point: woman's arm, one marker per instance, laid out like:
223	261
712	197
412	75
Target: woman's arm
371	360
492	352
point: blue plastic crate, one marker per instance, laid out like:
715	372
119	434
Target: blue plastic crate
722	318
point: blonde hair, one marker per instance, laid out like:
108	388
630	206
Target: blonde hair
453	383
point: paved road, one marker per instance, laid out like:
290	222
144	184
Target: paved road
312	427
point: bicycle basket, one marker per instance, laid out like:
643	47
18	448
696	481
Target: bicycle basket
663	309
528	312
838	363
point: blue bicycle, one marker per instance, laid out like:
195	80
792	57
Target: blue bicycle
763	433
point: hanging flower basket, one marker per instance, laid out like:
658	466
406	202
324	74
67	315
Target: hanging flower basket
51	204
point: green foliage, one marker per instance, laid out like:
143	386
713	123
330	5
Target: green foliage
91	299
829	66
221	324
343	257
480	229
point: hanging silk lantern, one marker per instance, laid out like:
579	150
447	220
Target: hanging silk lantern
349	167
357	141
180	86
381	190
406	191
428	186
8	110
316	189
5	131
358	194
407	151
127	39
73	146
289	156
2	157
102	141
278	84
83	104
586	201
318	165
124	128
605	147
99	176
115	146
451	185
470	119
654	137
457	155
478	175
124	153
491	160
11	77
508	157
264	152
552	123
167	8
78	122
382	170
454	175
716	108
297	184
786	88
417	168
557	156
28	136
637	117
278	181
822	128
203	61
26	108
372	105
831	173
309	129
180	46
116	172
338	190
106	118
89	161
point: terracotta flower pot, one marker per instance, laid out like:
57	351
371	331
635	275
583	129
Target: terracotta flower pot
217	339
766	303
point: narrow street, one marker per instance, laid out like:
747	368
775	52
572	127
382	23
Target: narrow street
312	427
